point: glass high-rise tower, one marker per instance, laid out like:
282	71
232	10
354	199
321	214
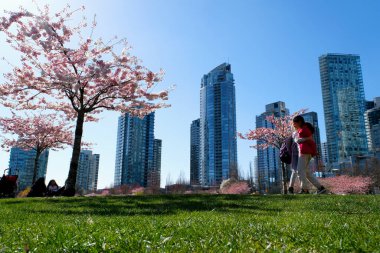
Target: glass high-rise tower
268	160
325	155
372	121
218	148
135	150
154	175
344	107
194	152
21	163
88	169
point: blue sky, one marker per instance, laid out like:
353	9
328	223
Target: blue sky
273	47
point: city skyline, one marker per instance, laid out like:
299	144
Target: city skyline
274	52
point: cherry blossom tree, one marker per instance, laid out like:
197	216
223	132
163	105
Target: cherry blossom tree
275	136
36	132
65	69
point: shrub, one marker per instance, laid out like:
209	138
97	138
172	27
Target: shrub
347	184
105	192
24	193
177	188
138	191
230	186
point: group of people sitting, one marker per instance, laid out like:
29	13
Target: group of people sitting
39	188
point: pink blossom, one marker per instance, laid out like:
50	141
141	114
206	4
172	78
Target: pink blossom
347	184
62	69
43	131
275	136
36	132
105	192
240	187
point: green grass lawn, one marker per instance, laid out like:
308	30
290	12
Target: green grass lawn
191	223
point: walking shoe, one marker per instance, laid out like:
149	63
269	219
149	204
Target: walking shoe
322	190
304	191
291	190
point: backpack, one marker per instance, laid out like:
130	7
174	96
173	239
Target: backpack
286	151
310	126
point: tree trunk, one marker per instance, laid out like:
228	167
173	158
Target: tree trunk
35	169
72	177
284	179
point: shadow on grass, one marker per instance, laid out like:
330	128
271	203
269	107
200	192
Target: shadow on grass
147	205
174	204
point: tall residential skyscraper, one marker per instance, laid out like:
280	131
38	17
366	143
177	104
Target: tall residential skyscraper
21	163
154	176
255	173
369	104
134	151
268	160
218	149
344	106
312	118
88	169
372	122
194	152
325	155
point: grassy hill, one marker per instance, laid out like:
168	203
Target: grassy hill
191	223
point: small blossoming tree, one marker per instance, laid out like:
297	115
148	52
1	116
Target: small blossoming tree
39	133
273	137
63	68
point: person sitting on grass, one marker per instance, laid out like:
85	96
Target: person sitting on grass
38	189
307	150
52	189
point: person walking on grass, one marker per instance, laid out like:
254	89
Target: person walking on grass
293	147
307	149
